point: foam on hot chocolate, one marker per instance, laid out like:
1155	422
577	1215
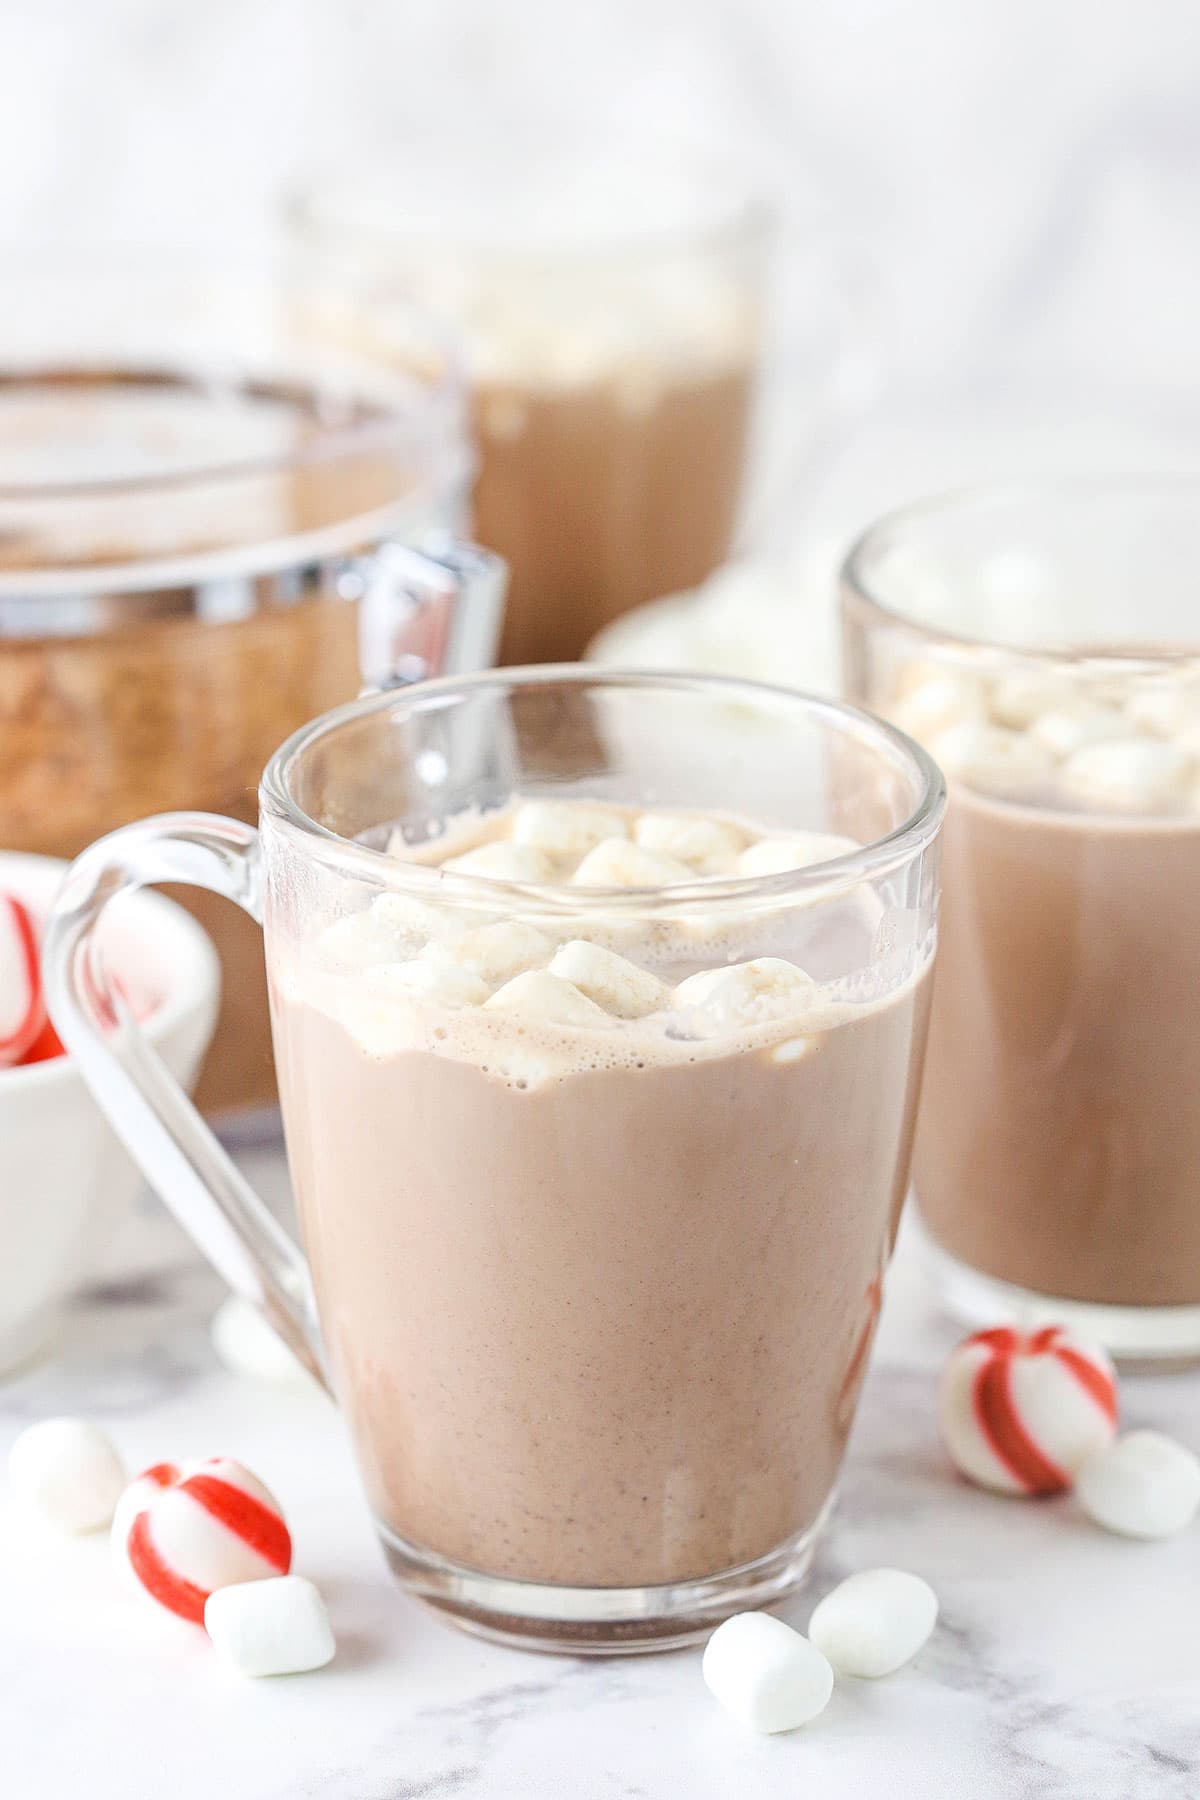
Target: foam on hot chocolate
534	998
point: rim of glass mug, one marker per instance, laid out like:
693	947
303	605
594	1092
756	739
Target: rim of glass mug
432	386
877	858
863	590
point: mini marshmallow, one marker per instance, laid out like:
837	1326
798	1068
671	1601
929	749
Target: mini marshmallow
618	862
68	1471
938	702
1063	730
494	953
1166	710
1144	1485
273	1627
993	760
392	927
504	862
711	846
781	855
613	982
441	982
246	1344
415	922
1133	774
1020	1412
1018	699
545	996
565	827
874	1622
749	993
765	1674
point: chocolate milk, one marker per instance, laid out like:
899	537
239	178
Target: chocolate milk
598	1270
1059	1141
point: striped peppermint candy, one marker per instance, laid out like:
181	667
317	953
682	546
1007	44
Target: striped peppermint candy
22	1005
1021	1411
184	1532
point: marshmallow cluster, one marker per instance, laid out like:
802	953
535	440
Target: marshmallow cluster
772	1678
418	951
1046	734
207	1542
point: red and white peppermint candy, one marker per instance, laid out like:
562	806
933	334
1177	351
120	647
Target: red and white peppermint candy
22	1005
1021	1411
185	1532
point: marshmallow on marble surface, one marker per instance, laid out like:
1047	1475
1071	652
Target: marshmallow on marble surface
502	861
1020	1412
493	953
182	1533
620	863
67	1471
711	846
1144	1485
782	855
22	1004
765	1674
992	759
541	995
874	1622
247	1345
566	827
745	994
1063	730
274	1627
1132	774
613	982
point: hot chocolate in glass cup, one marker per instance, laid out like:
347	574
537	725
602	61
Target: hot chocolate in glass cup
1044	644
197	490
611	298
599	1072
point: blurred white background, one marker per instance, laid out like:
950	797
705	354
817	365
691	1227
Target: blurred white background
1019	177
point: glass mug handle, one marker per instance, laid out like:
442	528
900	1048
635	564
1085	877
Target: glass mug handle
430	609
175	1150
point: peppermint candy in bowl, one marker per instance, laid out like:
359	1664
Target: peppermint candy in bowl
1021	1412
65	1182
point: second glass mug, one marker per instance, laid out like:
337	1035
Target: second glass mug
596	1299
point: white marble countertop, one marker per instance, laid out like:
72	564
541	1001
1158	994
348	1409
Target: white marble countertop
1066	1665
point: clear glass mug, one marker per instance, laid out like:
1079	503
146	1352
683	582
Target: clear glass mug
597	1305
1044	643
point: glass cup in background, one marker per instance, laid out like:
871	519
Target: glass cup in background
614	302
197	489
1044	644
597	1298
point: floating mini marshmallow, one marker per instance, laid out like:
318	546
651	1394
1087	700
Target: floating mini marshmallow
612	981
1064	730
274	1627
246	1344
993	760
874	1622
1018	699
503	862
938	702
1144	1486
442	982
710	846
67	1471
185	1532
780	855
765	1674
1166	710
493	953
566	827
1133	774
618	862
749	993
393	927
22	1005
541	995
1021	1412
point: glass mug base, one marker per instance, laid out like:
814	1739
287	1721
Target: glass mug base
599	1621
1147	1336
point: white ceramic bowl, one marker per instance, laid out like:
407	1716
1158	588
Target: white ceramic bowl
65	1181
